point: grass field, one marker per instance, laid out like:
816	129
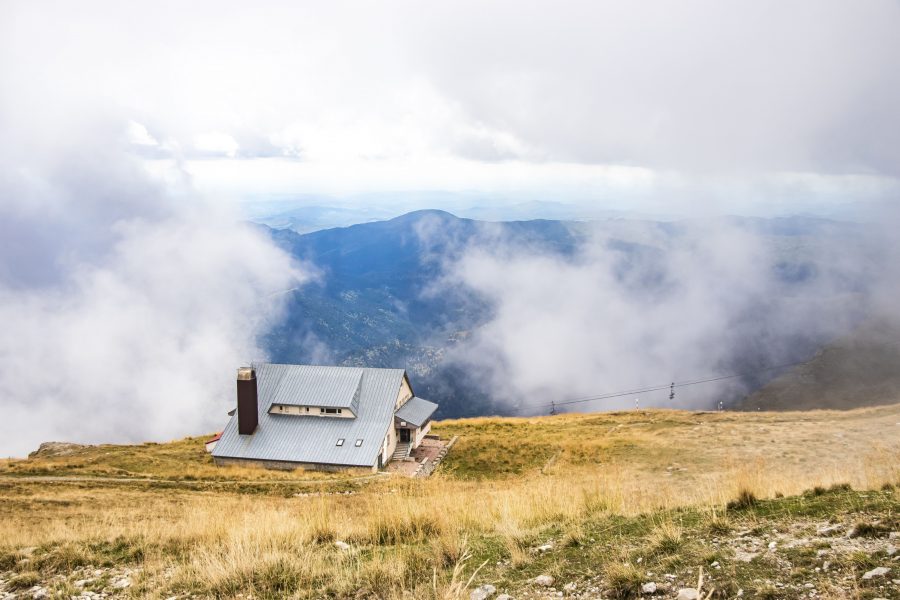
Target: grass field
604	489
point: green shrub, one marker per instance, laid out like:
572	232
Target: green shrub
624	580
24	580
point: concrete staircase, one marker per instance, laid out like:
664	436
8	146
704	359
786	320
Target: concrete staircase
401	452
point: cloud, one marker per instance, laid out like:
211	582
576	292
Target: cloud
640	304
699	91
216	143
127	301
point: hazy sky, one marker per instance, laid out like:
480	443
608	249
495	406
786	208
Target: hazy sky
756	106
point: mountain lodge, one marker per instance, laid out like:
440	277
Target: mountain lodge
326	418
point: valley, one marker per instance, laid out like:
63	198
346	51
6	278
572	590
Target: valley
396	293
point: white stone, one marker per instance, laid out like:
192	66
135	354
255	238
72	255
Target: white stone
342	545
876	572
773	545
649	588
121	584
483	592
688	594
570	587
829	530
505	597
545	548
543	580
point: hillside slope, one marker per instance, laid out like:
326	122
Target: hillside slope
860	369
603	504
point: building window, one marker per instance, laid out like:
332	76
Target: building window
329	411
358	443
340	442
339	411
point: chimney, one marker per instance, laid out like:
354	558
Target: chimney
247	403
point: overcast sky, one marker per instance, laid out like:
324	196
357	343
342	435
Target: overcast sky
757	106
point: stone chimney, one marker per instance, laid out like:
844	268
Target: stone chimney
247	401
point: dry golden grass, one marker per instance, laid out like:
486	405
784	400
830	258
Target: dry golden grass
185	460
497	497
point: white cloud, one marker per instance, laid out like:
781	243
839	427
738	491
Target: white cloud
127	300
700	90
216	143
643	304
138	134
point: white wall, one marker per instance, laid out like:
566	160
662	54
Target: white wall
309	411
421	432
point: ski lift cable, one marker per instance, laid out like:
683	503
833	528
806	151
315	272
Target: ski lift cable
667	386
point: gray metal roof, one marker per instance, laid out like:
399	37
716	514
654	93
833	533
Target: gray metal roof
313	439
416	411
302	385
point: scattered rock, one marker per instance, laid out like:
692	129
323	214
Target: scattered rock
56	449
39	593
505	597
830	530
570	587
121	584
687	594
649	588
543	580
483	592
545	548
745	556
342	545
876	572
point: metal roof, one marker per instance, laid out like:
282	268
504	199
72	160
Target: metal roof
302	385
416	411
313	439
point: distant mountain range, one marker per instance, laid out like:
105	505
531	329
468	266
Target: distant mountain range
374	304
373	307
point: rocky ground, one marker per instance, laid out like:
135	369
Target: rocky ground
791	563
856	557
852	554
84	583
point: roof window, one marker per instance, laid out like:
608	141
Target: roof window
358	443
340	442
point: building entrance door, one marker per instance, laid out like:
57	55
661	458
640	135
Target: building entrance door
404	436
